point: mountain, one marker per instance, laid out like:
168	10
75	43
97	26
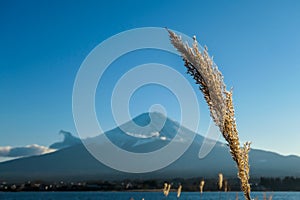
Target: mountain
76	163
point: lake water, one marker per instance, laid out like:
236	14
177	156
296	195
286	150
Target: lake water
141	195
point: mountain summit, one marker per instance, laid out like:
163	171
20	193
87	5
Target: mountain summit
146	132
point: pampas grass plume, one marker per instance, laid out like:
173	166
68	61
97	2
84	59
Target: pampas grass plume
219	100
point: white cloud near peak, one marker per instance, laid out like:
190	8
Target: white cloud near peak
28	150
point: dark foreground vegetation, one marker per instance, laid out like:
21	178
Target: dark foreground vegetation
260	184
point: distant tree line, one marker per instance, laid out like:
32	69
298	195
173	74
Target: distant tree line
280	184
192	184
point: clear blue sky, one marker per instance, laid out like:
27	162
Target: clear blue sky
255	43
